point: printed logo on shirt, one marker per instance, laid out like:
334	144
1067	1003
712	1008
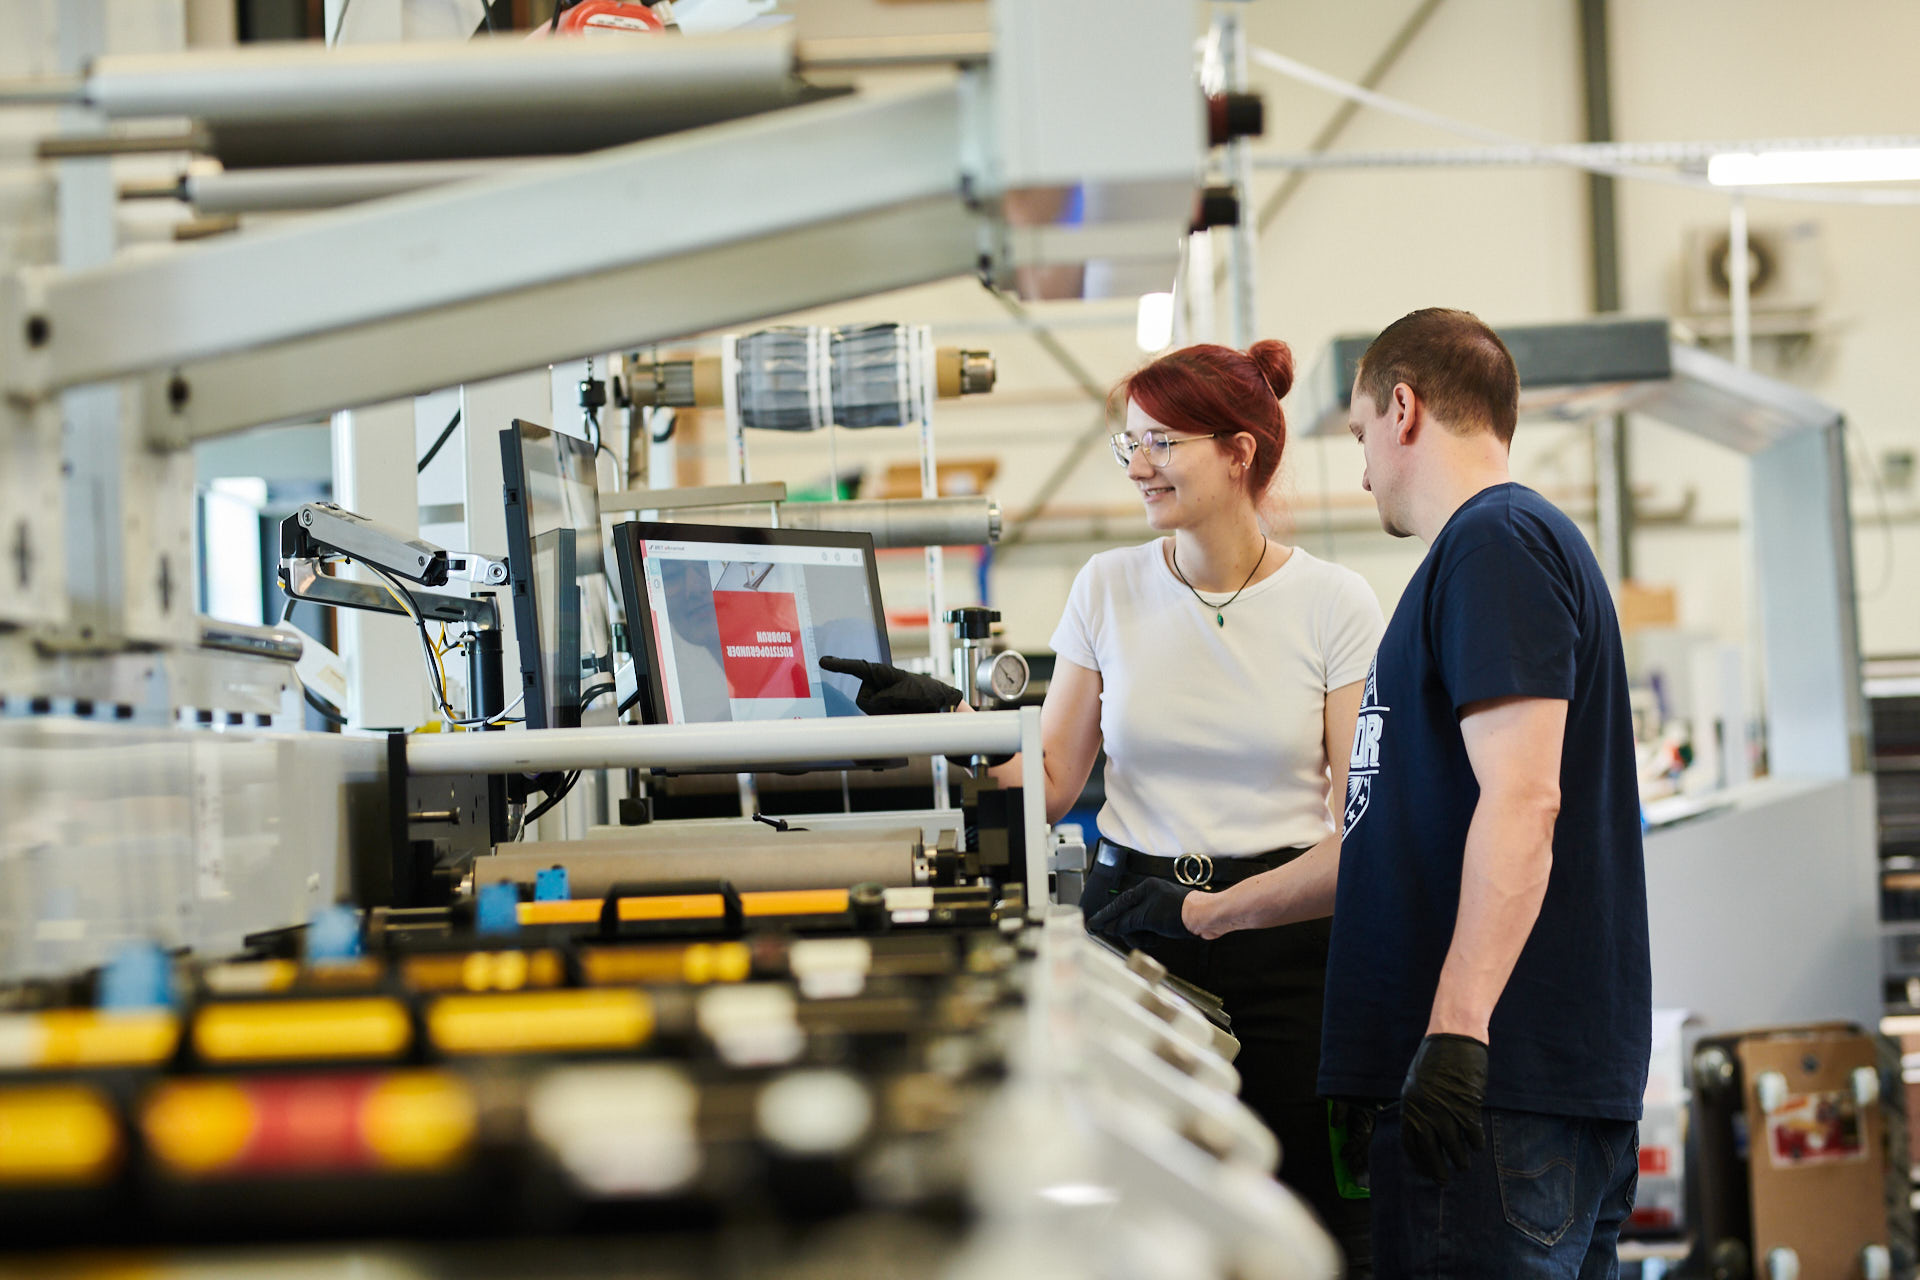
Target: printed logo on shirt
1363	763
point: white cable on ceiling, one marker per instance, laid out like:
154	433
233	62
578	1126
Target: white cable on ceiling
1512	148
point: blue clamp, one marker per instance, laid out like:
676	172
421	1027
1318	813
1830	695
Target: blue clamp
140	976
551	885
498	909
333	934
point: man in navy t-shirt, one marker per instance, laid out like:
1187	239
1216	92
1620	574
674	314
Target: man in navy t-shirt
1488	980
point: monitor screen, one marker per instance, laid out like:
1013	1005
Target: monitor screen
562	601
731	623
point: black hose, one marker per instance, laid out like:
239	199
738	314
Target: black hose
434	449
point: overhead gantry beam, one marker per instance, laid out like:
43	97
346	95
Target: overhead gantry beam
516	251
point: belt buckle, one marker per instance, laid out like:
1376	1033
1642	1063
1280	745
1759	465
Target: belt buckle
1194	870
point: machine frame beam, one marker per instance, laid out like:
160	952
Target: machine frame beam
860	254
679	197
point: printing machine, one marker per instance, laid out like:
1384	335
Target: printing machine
229	1021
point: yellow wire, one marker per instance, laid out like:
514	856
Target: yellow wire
440	653
439	665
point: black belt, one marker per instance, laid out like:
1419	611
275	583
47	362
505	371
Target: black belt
1196	870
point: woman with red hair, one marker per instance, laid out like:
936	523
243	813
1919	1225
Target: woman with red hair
1222	672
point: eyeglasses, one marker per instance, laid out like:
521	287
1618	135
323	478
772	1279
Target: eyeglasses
1158	444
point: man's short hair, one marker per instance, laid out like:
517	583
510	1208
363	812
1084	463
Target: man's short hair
1456	365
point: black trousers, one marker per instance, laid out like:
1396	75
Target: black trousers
1273	983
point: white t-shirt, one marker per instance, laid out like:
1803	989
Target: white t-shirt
1216	735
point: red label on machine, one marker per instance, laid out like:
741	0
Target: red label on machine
1816	1128
760	644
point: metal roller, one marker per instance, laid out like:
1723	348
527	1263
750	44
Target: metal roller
302	104
306	82
694	383
757	744
898	522
258	642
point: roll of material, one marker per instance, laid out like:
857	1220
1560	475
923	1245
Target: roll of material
895	522
269	105
778	860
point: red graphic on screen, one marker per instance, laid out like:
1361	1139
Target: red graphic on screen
760	644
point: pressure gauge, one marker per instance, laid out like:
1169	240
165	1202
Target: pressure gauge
1003	675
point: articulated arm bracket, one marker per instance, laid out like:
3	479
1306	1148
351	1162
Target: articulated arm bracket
320	532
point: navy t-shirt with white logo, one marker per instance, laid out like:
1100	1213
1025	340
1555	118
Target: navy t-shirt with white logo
1509	601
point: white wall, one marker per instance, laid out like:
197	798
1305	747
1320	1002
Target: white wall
1768	69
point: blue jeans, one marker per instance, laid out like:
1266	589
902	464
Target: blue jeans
1544	1198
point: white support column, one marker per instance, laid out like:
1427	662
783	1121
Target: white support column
373	476
663	456
155	530
737	473
440	497
90	416
1198	305
487	409
1243	256
33	586
129	511
920	352
1033	781
442	486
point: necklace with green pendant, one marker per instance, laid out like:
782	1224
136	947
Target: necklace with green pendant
1219	610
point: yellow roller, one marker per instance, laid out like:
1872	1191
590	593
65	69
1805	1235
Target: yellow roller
87	1038
63	1134
541	1022
794	902
278	1030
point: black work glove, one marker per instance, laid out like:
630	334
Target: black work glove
1149	909
1440	1105
889	691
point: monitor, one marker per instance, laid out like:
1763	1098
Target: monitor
562	592
553	603
730	623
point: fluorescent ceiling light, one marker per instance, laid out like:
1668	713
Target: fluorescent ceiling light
1154	329
1834	164
1080	1195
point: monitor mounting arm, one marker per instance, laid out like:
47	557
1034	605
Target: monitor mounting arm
320	532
